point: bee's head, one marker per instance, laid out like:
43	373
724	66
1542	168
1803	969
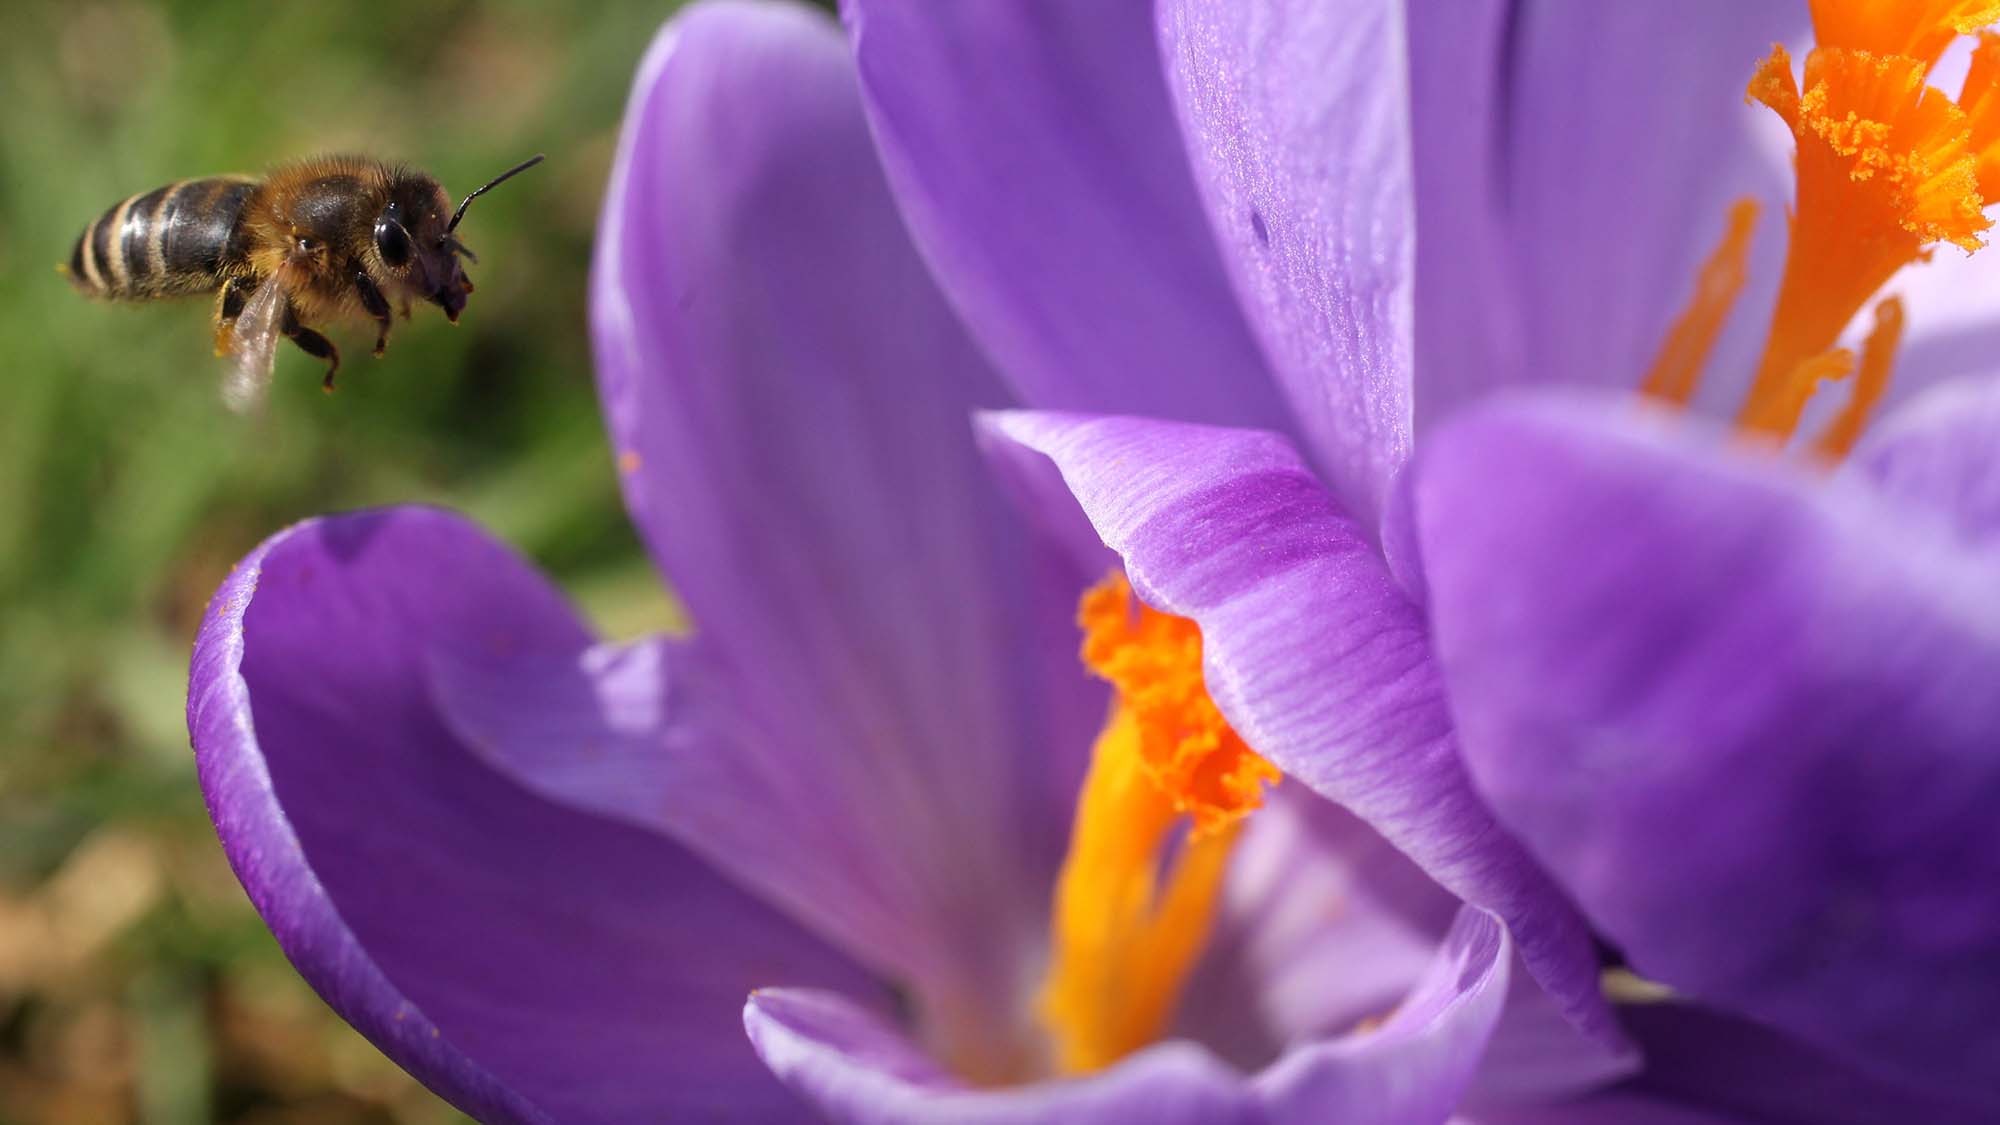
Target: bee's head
414	241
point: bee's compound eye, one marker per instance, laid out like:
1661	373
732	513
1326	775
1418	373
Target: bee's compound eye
392	241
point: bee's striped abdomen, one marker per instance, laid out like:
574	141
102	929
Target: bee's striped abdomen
170	241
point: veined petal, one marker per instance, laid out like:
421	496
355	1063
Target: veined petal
526	961
1297	118
1312	652
797	455
1941	454
1411	1069
1035	154
1743	714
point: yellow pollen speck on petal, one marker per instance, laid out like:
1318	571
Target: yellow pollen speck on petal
628	461
1918	29
1885	169
1168	786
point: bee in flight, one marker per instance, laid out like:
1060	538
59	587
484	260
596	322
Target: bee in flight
317	239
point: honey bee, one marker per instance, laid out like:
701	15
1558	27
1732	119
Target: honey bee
328	237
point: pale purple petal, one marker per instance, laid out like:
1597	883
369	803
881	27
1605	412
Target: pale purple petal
1951	325
527	962
1035	153
1311	650
856	1068
1941	454
1415	1067
1468	316
1322	925
789	397
1297	119
1536	1054
1627	138
1743	712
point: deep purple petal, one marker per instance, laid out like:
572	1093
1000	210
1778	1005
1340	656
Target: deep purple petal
1706	1068
1941	454
1627	138
855	1068
1297	118
1696	1057
1311	650
789	395
525	961
1744	714
1036	155
1607	1109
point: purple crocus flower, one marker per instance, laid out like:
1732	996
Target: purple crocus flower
1737	726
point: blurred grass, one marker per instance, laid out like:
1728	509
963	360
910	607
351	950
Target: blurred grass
136	984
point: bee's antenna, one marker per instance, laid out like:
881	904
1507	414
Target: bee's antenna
490	185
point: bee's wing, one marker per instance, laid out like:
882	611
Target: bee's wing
254	347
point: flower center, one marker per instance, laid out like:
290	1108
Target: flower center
1888	167
1168	786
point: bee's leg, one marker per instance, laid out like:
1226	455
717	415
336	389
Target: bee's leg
228	304
377	306
313	344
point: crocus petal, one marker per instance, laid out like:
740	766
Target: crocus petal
1697	1057
789	396
856	1068
1707	1068
1310	649
1467	315
1297	119
1608	1109
1036	156
1950	331
1744	714
526	961
1941	454
1610	211
1534	1055
1322	925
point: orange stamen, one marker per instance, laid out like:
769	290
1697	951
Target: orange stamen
1980	99
1878	357
1781	411
1917	29
1884	169
1677	369
1168	786
1154	660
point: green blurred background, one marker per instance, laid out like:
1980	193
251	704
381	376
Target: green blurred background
136	984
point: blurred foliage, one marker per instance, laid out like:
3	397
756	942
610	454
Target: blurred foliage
135	981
